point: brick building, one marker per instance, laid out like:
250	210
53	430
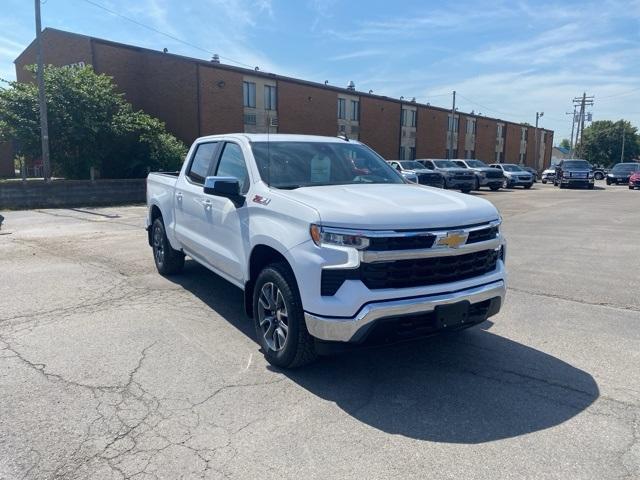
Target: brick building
196	97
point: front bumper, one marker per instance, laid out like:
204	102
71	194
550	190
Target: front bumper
356	328
490	182
462	184
576	181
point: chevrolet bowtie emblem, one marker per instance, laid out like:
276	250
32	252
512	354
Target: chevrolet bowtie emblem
453	239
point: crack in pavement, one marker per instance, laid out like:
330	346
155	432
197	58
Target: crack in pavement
631	308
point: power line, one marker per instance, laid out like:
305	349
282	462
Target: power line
487	108
168	35
629	92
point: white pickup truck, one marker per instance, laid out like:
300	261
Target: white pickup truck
328	242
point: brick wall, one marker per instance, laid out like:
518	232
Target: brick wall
486	131
71	193
220	101
431	134
306	109
380	126
530	161
58	48
125	65
512	143
462	133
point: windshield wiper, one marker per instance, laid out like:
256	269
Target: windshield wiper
292	186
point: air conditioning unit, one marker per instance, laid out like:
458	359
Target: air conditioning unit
250	119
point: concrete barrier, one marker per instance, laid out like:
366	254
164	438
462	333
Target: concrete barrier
16	195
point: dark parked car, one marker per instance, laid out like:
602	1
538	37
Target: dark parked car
533	172
485	175
574	172
621	172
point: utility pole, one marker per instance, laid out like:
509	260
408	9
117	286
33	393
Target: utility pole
536	160
44	124
581	102
622	152
573	126
452	129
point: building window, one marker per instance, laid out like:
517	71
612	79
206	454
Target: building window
471	126
453	124
249	93
355	129
412	153
452	153
270	98
342	109
469	154
355	110
342	128
408	118
523	158
401	154
249	118
501	131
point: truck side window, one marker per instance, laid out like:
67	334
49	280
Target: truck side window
232	164
201	163
429	164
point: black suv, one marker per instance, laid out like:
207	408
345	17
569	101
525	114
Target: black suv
572	172
621	172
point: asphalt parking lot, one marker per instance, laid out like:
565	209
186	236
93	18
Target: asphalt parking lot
108	370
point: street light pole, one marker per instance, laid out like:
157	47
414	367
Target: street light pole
452	129
44	124
537	155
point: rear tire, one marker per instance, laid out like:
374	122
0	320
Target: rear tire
168	261
477	185
494	188
608	182
590	186
279	319
544	182
630	187
598	176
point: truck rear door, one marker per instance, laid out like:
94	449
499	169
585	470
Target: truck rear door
191	204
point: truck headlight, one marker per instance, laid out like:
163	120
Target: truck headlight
337	236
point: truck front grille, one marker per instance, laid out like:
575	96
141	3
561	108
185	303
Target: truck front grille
383	244
429	178
412	273
493	174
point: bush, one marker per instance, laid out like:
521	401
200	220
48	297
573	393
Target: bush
90	125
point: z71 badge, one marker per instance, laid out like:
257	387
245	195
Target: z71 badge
261	200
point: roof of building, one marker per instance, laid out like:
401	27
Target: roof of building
564	150
260	73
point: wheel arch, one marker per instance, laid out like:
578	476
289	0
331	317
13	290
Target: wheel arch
261	256
154	212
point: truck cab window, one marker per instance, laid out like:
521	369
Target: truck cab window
232	164
201	163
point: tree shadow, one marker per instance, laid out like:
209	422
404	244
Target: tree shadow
468	387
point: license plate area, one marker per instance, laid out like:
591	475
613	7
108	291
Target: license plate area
452	315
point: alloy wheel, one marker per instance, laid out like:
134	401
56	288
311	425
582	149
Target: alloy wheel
273	317
158	245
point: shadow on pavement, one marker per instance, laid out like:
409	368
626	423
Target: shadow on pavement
469	387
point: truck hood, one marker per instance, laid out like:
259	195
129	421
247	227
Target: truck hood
393	207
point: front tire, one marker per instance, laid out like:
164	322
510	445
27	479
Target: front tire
477	185
544	182
528	186
608	182
279	319
168	261
494	188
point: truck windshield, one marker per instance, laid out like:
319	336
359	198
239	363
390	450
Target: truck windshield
290	165
476	164
411	165
445	164
512	168
577	164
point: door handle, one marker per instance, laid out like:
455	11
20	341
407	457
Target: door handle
179	196
207	204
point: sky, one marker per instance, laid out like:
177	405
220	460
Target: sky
505	59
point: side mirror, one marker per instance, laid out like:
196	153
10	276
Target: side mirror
228	187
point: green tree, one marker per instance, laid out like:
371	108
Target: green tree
601	142
90	125
565	143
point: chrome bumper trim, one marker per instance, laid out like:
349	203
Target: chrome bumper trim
345	329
